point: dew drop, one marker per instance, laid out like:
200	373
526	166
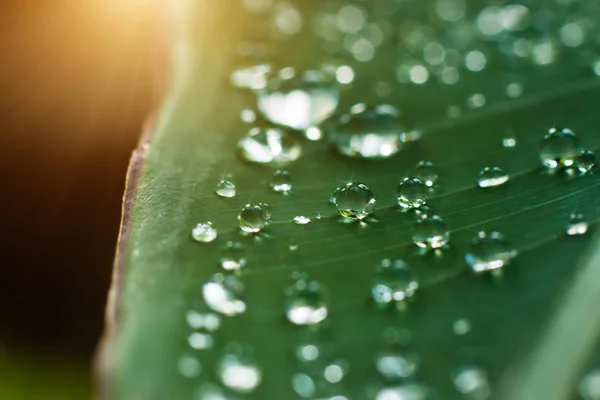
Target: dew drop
476	101
393	282
368	132
491	177
301	220
585	162
293	245
425	171
208	321
200	340
589	386
431	233
559	148
489	252
461	326
254	217
509	142
281	181
189	366
225	189
354	200
577	225
233	256
472	382
204	232
514	89
395	365
408	391
269	146
223	294
211	391
251	77
412	193
239	373
299	102
306	303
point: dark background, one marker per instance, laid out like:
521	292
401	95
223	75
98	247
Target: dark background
78	79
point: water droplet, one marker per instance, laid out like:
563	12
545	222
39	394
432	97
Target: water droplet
491	177
254	217
318	215
301	220
293	245
577	225
475	61
589	387
208	321
223	294
425	171
306	303
344	74
225	189
472	382
355	200
251	77
509	142
394	364
514	89
461	326
408	391
585	162
393	282
299	102
368	132
200	340
269	146
431	232
204	232
559	148
475	101
210	391
248	116
189	366
281	181
239	373
489	252
412	193
233	256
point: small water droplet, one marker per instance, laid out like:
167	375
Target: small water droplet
491	177
461	326
509	142
189	366
425	171
299	102
589	386
248	115
204	232
223	294
200	340
233	256
354	200
408	391
368	132
472	382
431	233
559	148
393	282
395	364
489	252
293	245
585	162
476	101
269	146
254	217
225	189
412	193
307	352
208	321
318	215
211	391
301	220
251	77
577	225
281	181
239	372
514	89
306	303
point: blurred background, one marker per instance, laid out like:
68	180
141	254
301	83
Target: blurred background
78	80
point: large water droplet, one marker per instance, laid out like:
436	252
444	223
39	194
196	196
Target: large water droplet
354	200
281	181
489	252
577	225
223	294
225	189
393	282
412	193
395	364
301	220
491	177
368	132
254	217
233	256
431	232
204	232
306	303
239	373
559	148
299	102
270	146
425	171
472	382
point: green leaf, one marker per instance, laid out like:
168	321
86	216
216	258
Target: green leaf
517	321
